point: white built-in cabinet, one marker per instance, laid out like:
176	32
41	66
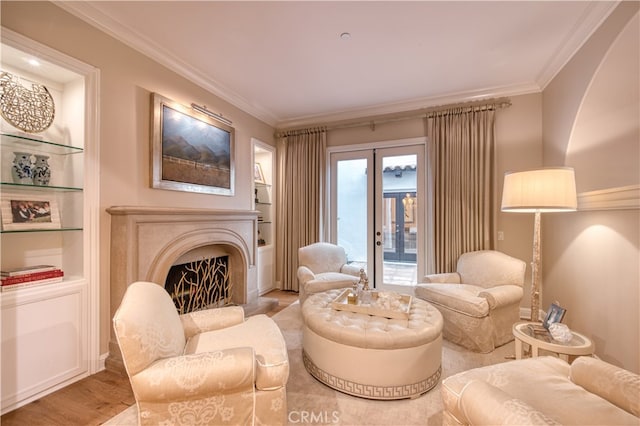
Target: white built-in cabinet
264	203
50	333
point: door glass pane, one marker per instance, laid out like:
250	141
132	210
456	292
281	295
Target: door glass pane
399	189
351	199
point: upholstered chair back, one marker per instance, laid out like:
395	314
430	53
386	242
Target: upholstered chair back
489	268
147	326
322	257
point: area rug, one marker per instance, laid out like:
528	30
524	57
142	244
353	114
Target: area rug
311	402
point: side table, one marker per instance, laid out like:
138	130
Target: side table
578	345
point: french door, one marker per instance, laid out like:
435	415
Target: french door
377	210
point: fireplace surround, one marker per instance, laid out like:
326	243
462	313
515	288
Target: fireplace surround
147	241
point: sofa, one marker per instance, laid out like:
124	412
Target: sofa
480	301
543	390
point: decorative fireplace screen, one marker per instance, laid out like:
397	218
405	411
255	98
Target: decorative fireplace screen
200	284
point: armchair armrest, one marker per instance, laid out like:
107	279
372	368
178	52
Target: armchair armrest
350	269
196	376
445	278
502	295
484	404
616	385
305	274
211	319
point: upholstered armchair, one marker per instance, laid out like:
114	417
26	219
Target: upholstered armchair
323	266
543	391
205	367
479	302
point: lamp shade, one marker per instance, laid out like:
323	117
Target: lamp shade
550	189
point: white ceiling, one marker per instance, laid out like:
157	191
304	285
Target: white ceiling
286	64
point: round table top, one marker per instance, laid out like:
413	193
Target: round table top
578	345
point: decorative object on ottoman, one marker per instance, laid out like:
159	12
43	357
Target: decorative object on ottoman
543	390
179	365
372	356
323	266
480	302
30	110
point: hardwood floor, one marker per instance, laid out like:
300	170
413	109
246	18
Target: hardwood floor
97	398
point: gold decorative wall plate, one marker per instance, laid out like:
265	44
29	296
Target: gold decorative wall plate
30	110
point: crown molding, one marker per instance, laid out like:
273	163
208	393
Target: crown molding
594	15
419	103
96	18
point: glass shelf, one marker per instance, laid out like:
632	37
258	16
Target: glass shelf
25	143
31	187
264	222
264	185
23	231
260	203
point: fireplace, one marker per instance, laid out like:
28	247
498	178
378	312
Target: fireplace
147	241
200	283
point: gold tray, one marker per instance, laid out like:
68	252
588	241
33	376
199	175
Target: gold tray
340	304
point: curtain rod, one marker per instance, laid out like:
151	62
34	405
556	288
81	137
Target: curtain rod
408	115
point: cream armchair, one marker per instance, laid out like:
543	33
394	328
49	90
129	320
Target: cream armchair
323	266
543	390
205	367
480	301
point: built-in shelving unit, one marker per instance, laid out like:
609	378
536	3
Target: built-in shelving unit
50	332
264	203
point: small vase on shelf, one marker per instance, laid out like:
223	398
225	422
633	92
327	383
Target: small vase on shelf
22	171
41	170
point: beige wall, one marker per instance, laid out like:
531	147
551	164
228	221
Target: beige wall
127	78
591	122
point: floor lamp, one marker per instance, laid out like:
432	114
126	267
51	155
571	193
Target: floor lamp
539	191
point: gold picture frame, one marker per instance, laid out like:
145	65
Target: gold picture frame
190	151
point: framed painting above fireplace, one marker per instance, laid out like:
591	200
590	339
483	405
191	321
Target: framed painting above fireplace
190	151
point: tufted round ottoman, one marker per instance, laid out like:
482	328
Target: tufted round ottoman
370	356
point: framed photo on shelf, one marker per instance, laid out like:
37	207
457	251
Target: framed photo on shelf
190	151
23	212
555	314
258	176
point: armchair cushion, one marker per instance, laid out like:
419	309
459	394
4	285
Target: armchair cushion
544	384
616	385
462	298
196	376
502	295
272	362
211	319
444	278
484	404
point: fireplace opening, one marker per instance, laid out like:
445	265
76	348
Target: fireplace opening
200	284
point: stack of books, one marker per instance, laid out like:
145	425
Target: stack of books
27	276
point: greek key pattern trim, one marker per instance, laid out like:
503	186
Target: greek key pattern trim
371	391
